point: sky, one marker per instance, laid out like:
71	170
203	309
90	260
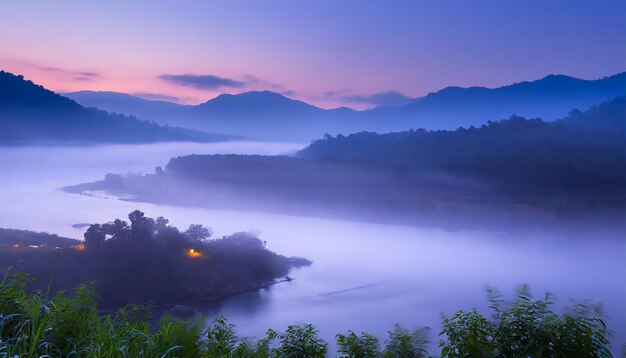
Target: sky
329	53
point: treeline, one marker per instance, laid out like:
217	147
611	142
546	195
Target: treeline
148	261
579	158
36	325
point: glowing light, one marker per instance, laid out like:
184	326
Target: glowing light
193	253
79	247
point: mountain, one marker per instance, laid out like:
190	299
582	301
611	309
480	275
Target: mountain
123	103
269	115
256	114
549	98
264	102
263	114
29	112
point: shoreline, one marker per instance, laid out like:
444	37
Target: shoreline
205	299
451	216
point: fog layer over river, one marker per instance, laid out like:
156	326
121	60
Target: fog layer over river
365	276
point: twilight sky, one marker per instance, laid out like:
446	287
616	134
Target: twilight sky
330	53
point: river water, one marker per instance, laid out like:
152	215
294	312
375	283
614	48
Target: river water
365	276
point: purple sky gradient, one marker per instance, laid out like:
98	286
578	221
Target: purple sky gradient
325	52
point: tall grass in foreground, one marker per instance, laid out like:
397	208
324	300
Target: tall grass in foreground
35	325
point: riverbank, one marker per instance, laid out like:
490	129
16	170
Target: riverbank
402	203
184	305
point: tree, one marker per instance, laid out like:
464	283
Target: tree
118	229
161	223
95	236
198	232
141	227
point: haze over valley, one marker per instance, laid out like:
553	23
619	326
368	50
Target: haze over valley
333	179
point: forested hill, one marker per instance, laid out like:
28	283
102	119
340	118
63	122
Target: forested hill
29	112
582	154
14	238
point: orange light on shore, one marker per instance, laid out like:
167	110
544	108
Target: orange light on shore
79	247
193	253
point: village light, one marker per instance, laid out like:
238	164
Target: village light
193	253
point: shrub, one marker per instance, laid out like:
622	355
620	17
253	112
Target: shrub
363	346
526	327
298	341
34	325
403	343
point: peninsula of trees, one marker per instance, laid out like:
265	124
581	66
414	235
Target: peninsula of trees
145	261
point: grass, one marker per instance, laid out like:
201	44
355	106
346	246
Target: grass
37	325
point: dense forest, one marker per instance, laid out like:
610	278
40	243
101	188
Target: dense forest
145	261
30	112
581	158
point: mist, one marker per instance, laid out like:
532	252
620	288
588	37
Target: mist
326	179
366	275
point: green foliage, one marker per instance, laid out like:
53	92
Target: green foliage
403	343
35	325
363	346
527	327
221	339
298	341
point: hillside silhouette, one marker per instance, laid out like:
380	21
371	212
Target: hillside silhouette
32	113
273	116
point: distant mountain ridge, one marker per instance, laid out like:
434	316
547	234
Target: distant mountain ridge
30	112
121	103
554	83
255	114
549	98
269	115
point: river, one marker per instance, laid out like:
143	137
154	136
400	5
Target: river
365	276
